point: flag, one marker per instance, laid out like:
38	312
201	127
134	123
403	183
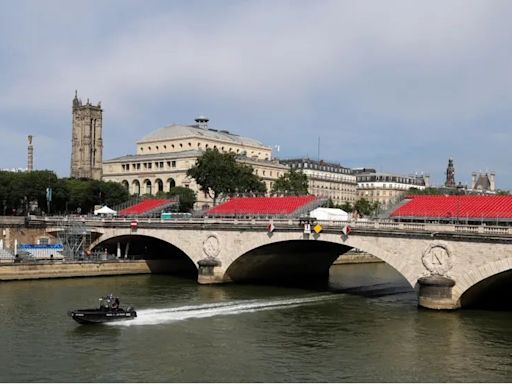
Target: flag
346	230
270	227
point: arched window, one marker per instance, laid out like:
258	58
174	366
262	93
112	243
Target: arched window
159	185
171	183
147	185
136	187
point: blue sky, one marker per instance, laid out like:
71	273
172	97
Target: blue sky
400	86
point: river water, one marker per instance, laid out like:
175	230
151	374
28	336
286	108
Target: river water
186	332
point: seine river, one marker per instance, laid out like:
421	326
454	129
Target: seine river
246	333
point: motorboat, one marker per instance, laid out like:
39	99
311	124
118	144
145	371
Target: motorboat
109	310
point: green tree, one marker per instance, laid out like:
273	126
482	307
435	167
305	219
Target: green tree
219	175
291	183
366	207
347	207
246	182
186	196
112	193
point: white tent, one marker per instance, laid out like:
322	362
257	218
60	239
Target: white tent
332	214
105	211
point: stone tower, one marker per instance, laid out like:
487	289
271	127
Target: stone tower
30	154
450	175
86	141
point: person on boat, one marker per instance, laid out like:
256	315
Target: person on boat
115	304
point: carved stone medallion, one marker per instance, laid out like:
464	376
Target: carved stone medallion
211	246
437	259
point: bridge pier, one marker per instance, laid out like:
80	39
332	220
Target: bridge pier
210	271
435	292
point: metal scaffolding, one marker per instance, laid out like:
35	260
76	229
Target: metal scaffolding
76	238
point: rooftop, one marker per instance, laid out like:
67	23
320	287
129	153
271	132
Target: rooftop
175	131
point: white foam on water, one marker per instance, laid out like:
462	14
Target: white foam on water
173	314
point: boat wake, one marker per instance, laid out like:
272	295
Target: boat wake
168	315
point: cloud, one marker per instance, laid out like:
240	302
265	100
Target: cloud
377	81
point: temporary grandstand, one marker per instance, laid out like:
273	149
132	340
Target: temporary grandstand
148	208
469	209
287	206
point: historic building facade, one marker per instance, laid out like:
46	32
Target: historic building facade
327	180
86	141
483	182
386	188
164	156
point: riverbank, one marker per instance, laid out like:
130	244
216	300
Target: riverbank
59	269
63	269
353	257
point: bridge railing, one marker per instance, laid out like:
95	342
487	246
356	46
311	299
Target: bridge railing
380	225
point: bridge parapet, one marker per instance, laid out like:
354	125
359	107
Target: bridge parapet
376	225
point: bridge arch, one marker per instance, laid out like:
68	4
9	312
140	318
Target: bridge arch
483	283
160	255
287	261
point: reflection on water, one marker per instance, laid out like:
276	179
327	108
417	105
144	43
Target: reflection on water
246	333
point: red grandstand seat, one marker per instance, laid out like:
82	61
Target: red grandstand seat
465	206
261	205
144	206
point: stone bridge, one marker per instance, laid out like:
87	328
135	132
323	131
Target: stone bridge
447	264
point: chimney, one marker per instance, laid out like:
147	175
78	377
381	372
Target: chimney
30	159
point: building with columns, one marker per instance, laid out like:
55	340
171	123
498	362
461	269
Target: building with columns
164	156
86	141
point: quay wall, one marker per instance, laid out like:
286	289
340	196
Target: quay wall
56	269
352	257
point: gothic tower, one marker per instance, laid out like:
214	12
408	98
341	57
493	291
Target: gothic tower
450	175
86	141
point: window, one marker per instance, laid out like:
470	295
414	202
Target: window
44	241
173	164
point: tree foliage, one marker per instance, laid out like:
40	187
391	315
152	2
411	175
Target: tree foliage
26	192
187	198
291	183
365	207
219	175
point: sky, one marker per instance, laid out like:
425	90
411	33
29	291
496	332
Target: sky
399	86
